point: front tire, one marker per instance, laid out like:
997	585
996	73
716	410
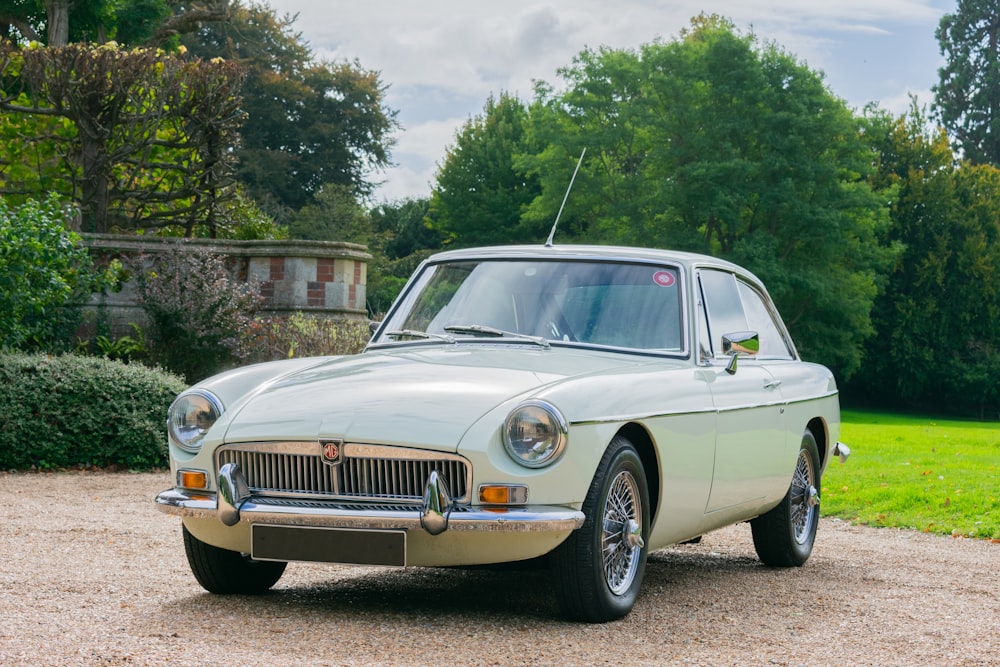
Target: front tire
598	570
784	537
227	572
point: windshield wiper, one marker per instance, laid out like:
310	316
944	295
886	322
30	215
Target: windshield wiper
413	333
480	330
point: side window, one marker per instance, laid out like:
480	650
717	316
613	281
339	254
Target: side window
733	305
724	306
761	319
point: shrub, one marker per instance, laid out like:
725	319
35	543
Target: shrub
199	316
68	411
124	348
45	275
300	335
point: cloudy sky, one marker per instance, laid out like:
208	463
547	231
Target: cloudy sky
441	59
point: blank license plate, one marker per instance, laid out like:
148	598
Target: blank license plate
328	545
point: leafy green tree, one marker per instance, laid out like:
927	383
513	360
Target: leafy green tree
938	345
180	18
137	21
599	115
45	275
718	144
406	228
480	196
141	140
148	140
237	218
129	22
32	154
405	238
768	167
967	96
333	215
309	124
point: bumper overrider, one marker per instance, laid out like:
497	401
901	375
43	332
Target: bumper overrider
235	503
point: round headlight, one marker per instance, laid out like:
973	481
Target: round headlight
190	417
535	434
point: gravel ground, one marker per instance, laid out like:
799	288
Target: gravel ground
92	574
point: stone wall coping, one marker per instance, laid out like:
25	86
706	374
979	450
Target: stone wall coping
280	248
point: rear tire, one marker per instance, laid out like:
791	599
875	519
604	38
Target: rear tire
598	570
784	537
227	572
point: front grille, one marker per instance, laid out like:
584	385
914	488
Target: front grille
372	473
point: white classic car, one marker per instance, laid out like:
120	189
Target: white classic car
585	403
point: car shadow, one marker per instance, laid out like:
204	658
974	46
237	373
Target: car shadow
459	595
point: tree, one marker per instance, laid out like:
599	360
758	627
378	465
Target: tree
601	115
309	124
333	215
58	21
22	20
406	228
717	144
479	196
182	17
143	139
967	97
129	22
937	344
404	239
768	167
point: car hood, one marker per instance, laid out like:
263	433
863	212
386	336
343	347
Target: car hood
426	397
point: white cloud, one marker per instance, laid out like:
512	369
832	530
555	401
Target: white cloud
417	154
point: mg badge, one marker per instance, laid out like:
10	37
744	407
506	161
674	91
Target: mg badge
330	451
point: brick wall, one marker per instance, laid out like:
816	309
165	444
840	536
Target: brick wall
318	277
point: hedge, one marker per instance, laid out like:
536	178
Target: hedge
79	411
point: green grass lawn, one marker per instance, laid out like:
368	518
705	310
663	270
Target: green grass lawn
934	475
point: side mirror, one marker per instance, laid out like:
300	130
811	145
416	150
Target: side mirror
372	328
739	343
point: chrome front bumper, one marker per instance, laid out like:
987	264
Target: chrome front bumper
234	503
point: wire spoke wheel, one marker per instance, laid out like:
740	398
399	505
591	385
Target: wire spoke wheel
784	536
598	570
803	498
620	545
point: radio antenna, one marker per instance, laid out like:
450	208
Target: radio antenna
548	242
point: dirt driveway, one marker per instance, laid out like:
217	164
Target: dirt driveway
92	574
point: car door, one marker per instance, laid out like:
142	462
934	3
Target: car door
798	382
750	446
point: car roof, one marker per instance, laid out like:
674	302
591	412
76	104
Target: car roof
597	252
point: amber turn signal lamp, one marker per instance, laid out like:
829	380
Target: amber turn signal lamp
503	494
192	479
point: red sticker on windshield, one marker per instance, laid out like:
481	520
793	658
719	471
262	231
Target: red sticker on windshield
664	278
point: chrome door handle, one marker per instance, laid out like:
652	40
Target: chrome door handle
772	384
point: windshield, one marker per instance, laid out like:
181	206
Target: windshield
614	304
